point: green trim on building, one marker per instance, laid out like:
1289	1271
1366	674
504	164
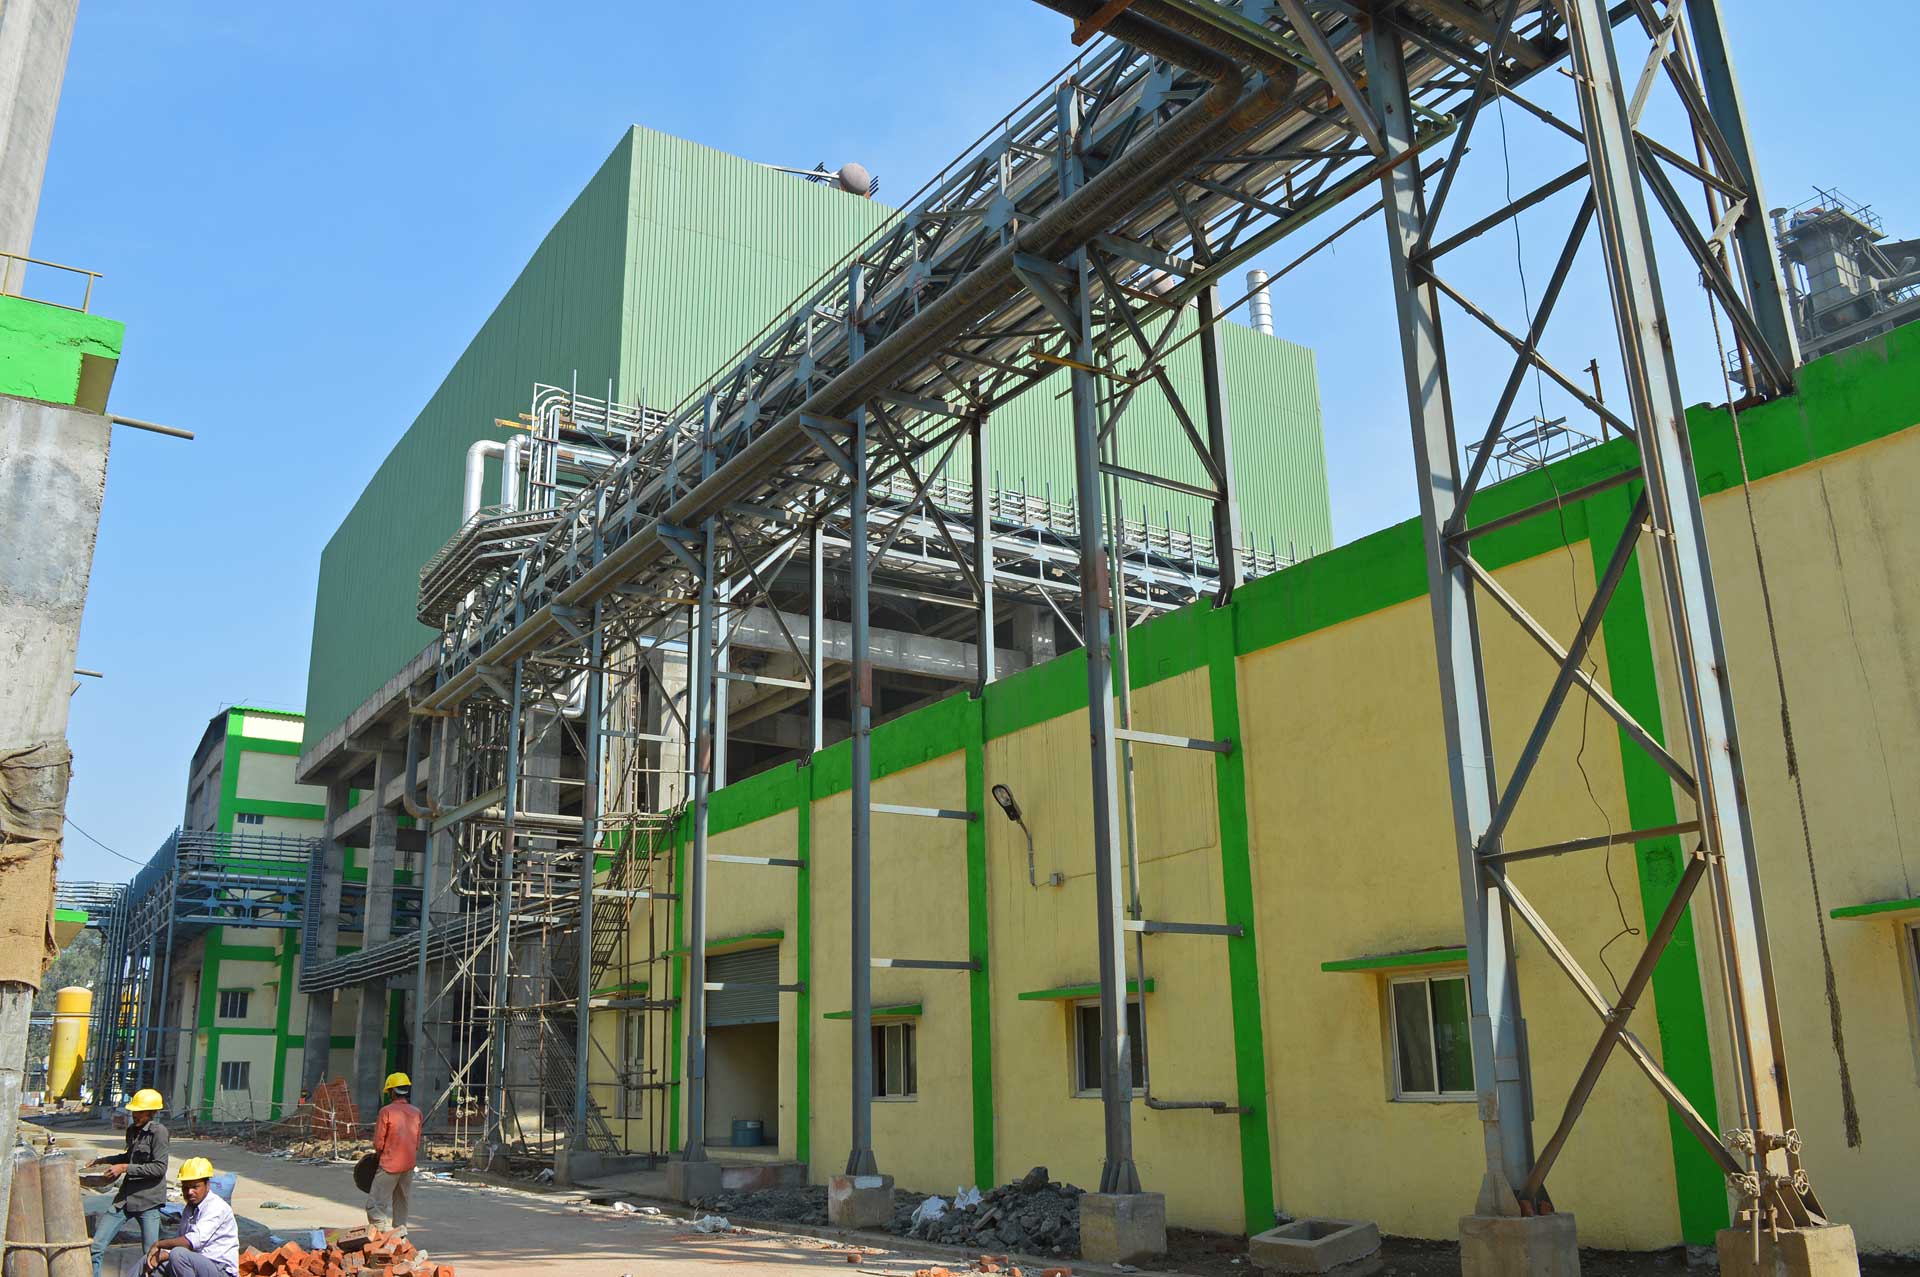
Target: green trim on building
979	949
56	354
891	1011
1397	961
63	914
1877	907
803	965
1072	992
1243	958
1679	1004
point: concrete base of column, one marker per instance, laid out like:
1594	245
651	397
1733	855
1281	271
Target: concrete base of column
1826	1251
860	1201
1122	1228
1519	1246
692	1181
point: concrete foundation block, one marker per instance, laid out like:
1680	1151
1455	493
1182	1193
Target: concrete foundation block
1826	1251
860	1201
691	1181
754	1177
1519	1246
1122	1228
571	1167
1314	1246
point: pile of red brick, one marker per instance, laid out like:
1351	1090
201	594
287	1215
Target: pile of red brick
996	1264
359	1252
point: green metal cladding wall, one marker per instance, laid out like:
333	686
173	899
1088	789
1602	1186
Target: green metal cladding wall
670	261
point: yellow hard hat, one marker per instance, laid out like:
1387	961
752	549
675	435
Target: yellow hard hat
195	1168
146	1100
397	1079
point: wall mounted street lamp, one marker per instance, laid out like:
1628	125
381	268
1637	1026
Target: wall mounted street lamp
1004	796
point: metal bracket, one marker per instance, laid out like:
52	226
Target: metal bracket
714	857
935	813
924	964
1184	928
1178	742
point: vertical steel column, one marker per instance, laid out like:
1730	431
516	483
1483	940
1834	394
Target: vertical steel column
1499	1069
860	1158
1686	577
816	638
589	835
985	656
497	1026
861	703
1759	259
700	666
1226	508
1118	1174
429	872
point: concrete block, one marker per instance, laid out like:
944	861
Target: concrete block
1519	1246
1313	1245
582	1165
1827	1251
691	1181
1122	1228
860	1201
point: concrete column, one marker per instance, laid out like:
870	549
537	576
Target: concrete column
53	468
370	1028
34	36
1033	632
324	942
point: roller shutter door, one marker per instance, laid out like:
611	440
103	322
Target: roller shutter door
744	1006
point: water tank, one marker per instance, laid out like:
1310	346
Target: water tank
854	179
72	1008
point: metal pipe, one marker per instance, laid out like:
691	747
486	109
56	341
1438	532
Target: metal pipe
1259	303
473	491
496	1132
409	785
589	836
63	1215
700	662
23	1212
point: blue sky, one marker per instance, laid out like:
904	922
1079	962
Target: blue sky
304	213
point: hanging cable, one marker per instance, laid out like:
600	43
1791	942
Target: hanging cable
1849	1110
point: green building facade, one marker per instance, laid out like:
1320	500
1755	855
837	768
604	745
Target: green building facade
667	264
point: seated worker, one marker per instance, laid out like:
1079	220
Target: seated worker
209	1240
142	1172
396	1138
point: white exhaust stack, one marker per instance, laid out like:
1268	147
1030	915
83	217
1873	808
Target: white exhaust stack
1260	309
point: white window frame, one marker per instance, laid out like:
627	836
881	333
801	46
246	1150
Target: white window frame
1425	979
894	1037
249	818
220	1005
1086	1073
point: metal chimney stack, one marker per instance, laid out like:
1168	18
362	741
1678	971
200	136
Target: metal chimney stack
1260	309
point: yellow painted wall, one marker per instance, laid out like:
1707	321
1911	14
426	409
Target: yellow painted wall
1841	538
1352	855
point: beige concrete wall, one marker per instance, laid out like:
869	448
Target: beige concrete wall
743	1079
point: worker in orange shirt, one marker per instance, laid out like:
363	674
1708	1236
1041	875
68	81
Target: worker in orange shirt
396	1139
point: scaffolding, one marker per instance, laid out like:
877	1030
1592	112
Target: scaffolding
1077	234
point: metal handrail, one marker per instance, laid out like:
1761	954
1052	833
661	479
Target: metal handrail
86	298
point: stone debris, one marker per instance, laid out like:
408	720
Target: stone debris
1034	1215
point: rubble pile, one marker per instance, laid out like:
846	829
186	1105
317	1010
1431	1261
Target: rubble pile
357	1252
800	1204
1000	1265
1033	1214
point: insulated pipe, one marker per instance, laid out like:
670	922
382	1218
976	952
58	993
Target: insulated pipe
474	492
1260	308
409	786
24	1218
510	472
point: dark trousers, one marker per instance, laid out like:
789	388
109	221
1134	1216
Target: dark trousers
109	1225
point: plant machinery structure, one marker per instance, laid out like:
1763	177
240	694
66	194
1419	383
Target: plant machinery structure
1091	231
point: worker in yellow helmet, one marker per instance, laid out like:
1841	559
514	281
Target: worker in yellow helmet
396	1139
142	1172
209	1240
